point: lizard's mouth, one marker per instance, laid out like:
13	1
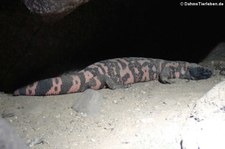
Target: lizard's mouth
198	73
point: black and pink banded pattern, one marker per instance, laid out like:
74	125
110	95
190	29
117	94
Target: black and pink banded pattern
116	73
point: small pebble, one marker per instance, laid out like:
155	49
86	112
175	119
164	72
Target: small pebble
143	92
223	108
36	141
5	115
115	101
125	142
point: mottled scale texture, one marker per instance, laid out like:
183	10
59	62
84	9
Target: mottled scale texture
116	73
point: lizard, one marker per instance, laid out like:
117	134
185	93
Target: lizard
116	73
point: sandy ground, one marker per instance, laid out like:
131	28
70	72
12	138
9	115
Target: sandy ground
146	115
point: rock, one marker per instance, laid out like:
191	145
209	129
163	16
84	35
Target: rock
53	8
205	127
211	103
88	102
217	53
8	138
216	58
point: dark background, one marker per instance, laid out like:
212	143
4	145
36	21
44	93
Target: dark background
31	49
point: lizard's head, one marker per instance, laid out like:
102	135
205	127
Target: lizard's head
198	72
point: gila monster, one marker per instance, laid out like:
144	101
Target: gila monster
116	73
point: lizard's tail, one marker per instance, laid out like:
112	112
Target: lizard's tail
52	86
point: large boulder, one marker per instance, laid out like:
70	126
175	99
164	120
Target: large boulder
8	138
216	58
205	126
53	9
